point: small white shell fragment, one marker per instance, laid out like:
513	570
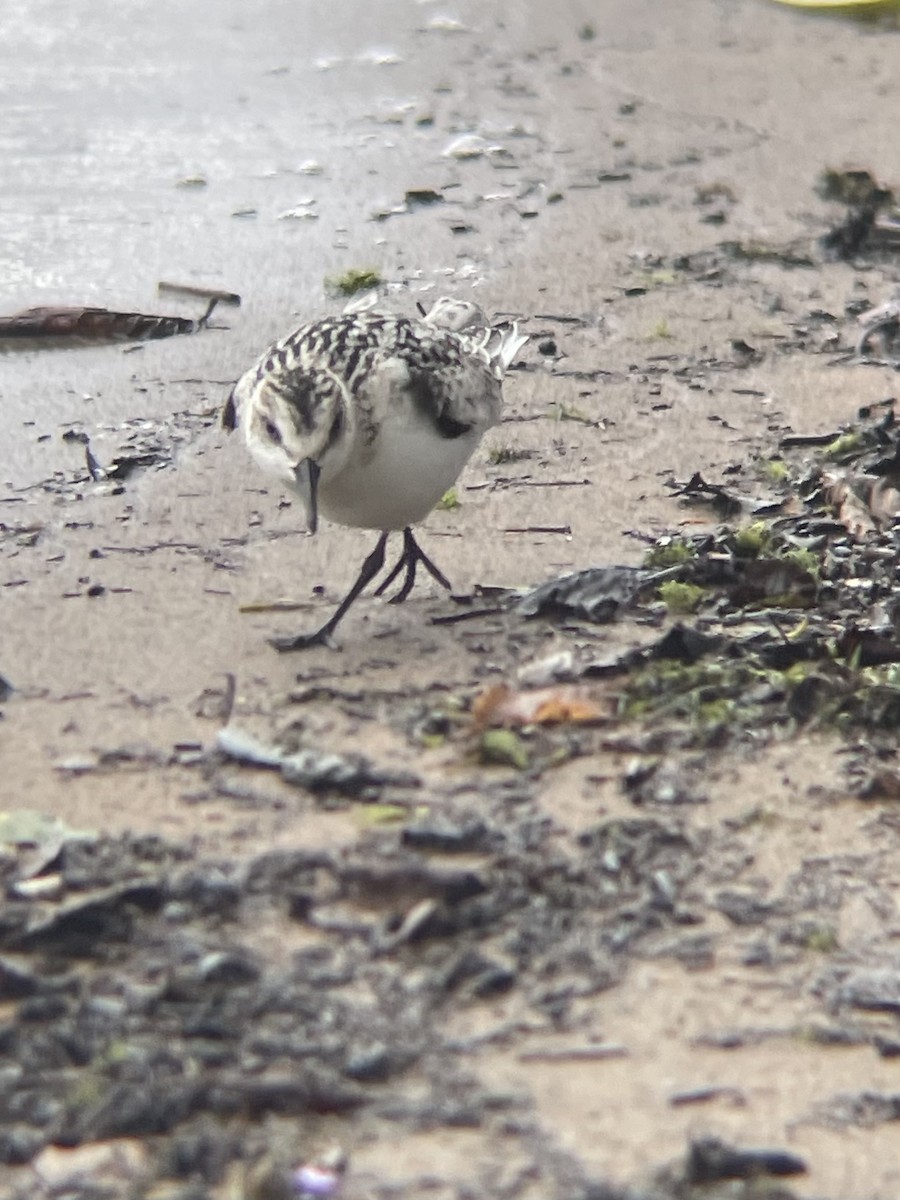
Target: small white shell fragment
470	145
555	668
313	1180
41	887
379	58
303	210
442	23
244	747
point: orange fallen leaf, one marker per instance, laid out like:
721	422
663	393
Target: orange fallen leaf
500	705
487	702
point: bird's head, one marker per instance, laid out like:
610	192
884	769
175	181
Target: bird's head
299	433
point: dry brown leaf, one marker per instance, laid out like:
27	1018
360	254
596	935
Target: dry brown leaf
500	705
852	511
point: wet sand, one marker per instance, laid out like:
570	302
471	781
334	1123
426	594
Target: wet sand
146	146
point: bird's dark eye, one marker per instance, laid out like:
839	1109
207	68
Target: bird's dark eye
273	432
337	426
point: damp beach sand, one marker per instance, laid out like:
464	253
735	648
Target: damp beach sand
277	904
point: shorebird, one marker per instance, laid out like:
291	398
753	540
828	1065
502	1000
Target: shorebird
369	418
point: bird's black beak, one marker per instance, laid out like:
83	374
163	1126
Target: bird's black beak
306	480
229	414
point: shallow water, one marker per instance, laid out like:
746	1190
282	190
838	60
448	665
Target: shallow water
241	148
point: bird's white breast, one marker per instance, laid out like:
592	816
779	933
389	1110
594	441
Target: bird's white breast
399	480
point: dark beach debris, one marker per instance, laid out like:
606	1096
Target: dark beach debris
584	320
793	440
17	979
868	224
592	1052
653	781
707	1094
127	755
726	687
564	530
397	881
714	569
164	1020
770	582
75	325
598	594
95	471
724	500
863	1110
125	465
878	782
885	234
422	196
872	989
380	214
743	907
440	835
846	239
862	504
789	619
795	253
468	614
86	925
351	775
6	689
710	1160
141	444
684	644
31	842
881	327
527	481
125	1111
855	187
315	770
860	478
716	200
217	704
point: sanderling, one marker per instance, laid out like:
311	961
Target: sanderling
370	418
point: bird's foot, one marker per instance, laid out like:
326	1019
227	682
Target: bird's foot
284	643
323	636
410	558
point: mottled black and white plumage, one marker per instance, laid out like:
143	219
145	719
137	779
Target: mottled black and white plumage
370	418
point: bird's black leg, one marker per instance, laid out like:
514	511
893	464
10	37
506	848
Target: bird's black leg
393	573
322	637
412	555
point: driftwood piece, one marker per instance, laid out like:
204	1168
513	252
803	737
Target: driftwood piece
198	291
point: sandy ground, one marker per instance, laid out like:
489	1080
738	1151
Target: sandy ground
142	146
